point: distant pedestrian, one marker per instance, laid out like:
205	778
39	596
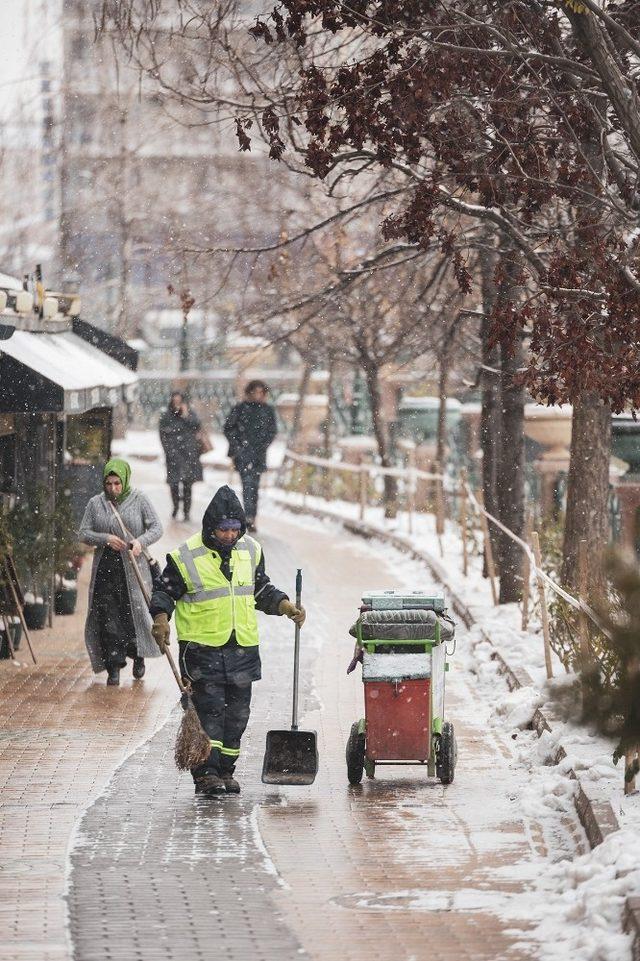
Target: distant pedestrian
250	428
179	430
118	622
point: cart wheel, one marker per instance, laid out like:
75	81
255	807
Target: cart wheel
355	754
446	753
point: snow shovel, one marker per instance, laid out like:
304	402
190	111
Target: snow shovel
291	757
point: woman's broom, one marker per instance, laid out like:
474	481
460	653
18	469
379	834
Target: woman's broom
192	743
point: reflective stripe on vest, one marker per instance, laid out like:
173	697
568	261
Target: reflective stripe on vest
212	595
213	607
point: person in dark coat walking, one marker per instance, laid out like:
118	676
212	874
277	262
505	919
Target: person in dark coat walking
179	428
250	428
215	582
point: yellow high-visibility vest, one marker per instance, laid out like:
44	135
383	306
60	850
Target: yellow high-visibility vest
213	607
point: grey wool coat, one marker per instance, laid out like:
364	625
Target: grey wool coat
139	516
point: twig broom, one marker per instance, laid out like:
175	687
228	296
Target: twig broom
192	743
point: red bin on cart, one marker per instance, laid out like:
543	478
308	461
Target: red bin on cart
403	651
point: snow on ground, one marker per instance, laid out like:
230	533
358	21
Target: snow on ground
145	444
590	754
576	904
570	908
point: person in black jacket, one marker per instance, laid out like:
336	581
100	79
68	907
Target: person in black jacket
221	671
250	428
179	428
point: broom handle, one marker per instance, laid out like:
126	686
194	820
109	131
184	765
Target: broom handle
296	655
145	594
127	533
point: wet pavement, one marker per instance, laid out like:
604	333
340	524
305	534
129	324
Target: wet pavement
397	868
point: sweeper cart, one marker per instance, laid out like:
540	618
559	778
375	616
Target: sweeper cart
403	639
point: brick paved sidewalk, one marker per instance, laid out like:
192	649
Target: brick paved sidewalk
62	735
399	869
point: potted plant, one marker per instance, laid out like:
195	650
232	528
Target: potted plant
32	530
65	557
15	633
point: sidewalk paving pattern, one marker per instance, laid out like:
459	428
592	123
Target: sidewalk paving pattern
399	868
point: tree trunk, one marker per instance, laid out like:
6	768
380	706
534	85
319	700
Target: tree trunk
441	440
510	481
297	414
380	433
327	429
587	517
490	416
596	42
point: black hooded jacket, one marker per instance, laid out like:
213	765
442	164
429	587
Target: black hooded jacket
224	506
250	428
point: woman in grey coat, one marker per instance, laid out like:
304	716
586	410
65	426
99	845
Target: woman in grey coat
118	621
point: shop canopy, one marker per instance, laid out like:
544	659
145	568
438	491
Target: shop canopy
59	372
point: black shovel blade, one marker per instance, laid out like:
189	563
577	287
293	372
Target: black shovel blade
291	757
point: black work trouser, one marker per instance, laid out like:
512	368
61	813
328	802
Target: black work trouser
185	495
250	478
221	680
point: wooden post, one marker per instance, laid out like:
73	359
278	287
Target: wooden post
363	479
326	483
526	575
631	758
411	491
544	613
439	500
463	521
632	755
488	549
583	621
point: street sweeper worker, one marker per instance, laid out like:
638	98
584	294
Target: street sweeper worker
215	582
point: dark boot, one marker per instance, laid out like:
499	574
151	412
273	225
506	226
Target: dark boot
113	676
210	785
231	786
175	497
186	502
138	667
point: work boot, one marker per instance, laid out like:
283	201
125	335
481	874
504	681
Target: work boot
210	785
113	676
231	786
138	667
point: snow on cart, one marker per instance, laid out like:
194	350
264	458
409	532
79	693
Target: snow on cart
403	640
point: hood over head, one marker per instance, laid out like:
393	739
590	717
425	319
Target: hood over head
224	505
122	470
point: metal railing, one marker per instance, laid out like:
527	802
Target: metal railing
410	475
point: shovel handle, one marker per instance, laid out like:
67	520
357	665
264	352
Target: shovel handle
296	655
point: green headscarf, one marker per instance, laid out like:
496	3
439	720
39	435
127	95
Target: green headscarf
122	470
